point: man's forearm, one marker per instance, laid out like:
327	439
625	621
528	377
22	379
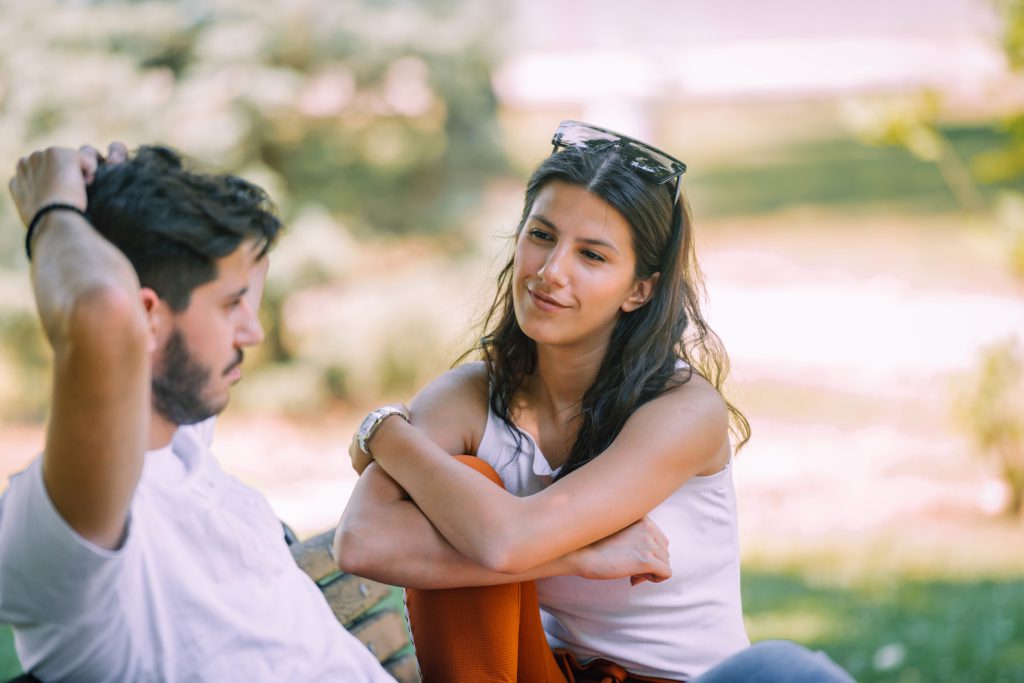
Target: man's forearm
72	261
90	305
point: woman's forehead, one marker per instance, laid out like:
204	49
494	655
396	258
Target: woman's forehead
568	207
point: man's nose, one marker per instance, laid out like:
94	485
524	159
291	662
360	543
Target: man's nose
250	330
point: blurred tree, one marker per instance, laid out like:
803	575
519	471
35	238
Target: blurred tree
994	406
375	117
913	124
1008	162
991	409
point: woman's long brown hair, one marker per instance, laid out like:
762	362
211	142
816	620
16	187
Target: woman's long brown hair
646	344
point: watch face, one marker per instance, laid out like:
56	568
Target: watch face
367	423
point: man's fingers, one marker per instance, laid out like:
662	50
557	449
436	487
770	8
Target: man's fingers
13	189
16	192
117	153
89	159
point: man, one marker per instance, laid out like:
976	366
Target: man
127	553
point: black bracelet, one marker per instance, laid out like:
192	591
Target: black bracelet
55	206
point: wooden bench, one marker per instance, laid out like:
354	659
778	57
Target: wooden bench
372	611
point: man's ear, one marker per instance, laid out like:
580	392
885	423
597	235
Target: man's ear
642	291
158	317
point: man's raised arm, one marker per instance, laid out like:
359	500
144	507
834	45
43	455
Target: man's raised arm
89	304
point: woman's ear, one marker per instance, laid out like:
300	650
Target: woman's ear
642	291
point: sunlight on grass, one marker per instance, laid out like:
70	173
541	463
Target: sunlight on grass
797	625
893	626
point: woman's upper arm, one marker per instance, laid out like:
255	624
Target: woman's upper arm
667	441
452	409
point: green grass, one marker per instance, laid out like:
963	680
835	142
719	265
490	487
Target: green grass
9	666
896	629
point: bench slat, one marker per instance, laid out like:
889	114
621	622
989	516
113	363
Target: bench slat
404	669
314	556
383	633
351	596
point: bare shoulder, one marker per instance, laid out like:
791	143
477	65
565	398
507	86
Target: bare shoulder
452	408
466	383
690	420
697	394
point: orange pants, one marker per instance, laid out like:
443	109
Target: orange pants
493	634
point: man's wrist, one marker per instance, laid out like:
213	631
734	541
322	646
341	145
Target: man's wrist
40	217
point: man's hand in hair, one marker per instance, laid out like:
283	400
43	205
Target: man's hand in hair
58	175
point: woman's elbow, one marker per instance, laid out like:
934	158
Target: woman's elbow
504	554
353	553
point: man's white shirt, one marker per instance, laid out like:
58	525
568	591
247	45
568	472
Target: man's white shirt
202	589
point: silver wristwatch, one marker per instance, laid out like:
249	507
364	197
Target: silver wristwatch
373	421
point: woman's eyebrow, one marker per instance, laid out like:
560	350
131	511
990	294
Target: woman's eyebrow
540	218
585	240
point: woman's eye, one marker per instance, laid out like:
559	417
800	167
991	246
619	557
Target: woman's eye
539	234
592	255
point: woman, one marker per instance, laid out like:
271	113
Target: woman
597	404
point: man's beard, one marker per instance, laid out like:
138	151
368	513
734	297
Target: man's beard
178	387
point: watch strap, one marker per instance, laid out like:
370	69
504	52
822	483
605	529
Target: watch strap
369	426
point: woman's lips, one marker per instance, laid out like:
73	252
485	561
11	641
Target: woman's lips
545	302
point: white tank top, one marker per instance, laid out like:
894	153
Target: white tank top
675	629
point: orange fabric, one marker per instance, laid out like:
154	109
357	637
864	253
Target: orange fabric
493	634
599	671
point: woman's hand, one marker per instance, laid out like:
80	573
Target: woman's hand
640	551
360	459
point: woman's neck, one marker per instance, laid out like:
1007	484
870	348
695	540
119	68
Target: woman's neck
563	376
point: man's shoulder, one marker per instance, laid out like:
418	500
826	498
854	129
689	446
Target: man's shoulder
20	483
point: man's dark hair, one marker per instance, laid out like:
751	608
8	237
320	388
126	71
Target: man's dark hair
173	223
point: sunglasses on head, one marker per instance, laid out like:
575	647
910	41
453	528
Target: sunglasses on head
649	162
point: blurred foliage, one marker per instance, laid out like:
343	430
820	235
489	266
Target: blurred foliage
912	123
1009	161
991	411
846	175
1012	12
364	119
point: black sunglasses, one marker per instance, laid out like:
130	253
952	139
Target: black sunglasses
648	161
